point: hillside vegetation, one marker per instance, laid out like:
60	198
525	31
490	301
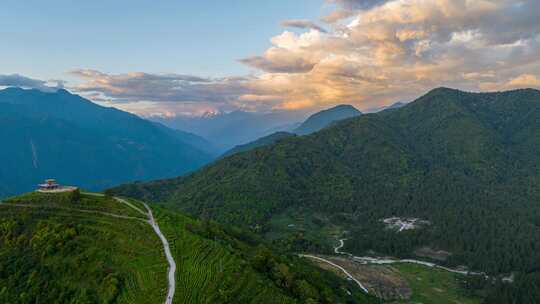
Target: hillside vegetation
312	124
261	142
69	248
468	163
50	252
325	118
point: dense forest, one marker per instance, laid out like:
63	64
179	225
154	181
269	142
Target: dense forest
263	141
468	163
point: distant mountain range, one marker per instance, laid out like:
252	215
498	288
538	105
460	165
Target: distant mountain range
64	136
324	118
263	141
395	105
313	123
226	130
465	164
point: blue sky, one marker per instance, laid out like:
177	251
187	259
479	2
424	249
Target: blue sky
194	56
44	39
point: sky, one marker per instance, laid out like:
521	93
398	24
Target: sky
189	57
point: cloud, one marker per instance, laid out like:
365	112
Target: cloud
279	61
138	86
16	80
303	24
290	54
399	49
337	15
374	53
525	81
359	4
348	8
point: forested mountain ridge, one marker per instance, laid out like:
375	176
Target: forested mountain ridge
325	118
227	130
314	123
462	161
61	135
263	141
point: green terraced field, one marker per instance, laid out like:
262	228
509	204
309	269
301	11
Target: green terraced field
434	286
209	271
52	253
65	248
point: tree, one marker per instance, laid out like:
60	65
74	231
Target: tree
75	195
108	193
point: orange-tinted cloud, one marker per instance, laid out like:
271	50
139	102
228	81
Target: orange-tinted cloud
375	53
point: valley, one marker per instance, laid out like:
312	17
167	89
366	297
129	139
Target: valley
407	183
124	251
270	152
400	281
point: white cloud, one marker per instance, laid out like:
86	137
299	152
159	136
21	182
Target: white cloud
375	52
399	49
16	80
303	24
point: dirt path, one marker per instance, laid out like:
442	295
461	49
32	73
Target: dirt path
77	210
385	261
150	220
339	267
168	254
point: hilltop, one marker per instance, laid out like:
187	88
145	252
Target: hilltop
322	119
71	248
314	123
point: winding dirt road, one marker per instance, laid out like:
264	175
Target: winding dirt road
172	264
150	220
338	267
383	261
168	254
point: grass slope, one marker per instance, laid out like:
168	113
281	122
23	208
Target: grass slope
434	286
52	253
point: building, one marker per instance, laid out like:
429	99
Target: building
51	185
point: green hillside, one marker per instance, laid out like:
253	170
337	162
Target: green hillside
65	248
312	124
53	252
261	142
468	163
325	118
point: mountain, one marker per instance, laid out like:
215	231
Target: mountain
395	105
314	123
61	135
226	130
87	248
191	139
325	118
263	141
464	166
